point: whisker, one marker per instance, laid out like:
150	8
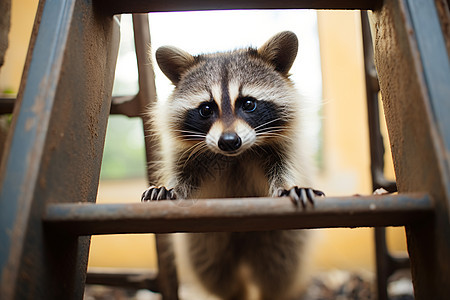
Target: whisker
202	150
193	137
279	132
189	149
272	133
264	124
272	129
276	135
192	127
259	128
188	131
195	151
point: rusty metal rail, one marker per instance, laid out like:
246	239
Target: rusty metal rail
236	214
117	277
6	105
140	6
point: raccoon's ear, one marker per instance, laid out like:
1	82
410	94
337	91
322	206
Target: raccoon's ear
280	51
173	62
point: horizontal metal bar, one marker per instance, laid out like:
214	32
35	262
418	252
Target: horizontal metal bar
120	105
125	105
119	278
143	6
7	105
249	214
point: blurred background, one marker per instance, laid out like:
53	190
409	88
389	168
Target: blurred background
328	72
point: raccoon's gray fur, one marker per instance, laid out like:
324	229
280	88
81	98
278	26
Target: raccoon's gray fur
230	129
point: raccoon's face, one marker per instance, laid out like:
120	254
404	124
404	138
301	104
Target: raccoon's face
230	102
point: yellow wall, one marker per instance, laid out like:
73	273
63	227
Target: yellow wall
346	168
346	145
22	19
122	251
346	153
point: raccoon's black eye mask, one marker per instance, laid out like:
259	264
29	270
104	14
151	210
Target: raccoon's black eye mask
208	109
199	119
259	114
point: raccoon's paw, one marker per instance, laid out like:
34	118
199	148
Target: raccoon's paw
300	195
155	193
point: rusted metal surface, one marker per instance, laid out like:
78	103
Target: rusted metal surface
250	214
443	10
413	68
124	105
61	164
147	89
143	6
137	105
373	114
6	105
167	271
54	154
386	264
118	278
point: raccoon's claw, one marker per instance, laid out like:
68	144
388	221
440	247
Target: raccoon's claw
155	193
300	195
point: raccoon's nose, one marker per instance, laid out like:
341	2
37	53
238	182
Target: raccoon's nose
229	141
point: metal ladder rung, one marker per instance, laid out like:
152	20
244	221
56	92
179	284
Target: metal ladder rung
244	214
144	6
117	277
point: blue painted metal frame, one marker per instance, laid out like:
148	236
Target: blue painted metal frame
32	123
436	73
54	154
431	275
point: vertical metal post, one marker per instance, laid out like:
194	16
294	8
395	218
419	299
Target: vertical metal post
167	273
383	258
414	71
147	89
55	148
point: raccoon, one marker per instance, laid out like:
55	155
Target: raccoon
230	129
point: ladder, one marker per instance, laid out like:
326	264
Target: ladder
50	170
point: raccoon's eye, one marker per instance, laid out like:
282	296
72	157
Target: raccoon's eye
205	110
249	104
